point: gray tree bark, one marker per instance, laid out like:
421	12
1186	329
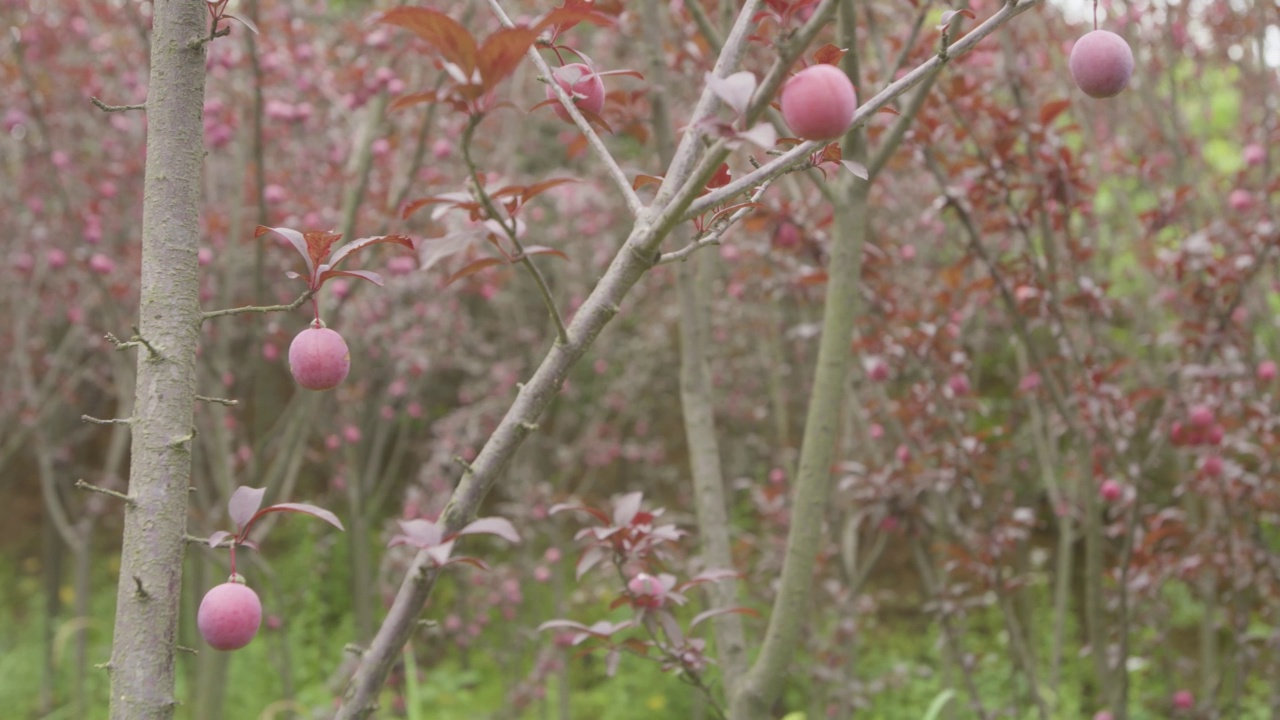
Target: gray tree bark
149	591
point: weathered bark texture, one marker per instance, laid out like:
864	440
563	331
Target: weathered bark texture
142	655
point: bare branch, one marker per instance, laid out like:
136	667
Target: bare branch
259	308
82	485
107	421
718	229
218	401
116	108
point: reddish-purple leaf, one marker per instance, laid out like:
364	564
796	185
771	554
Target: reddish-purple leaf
763	135
446	35
670	626
473	268
572	13
720	178
501	527
355	245
215	539
1052	109
562	507
707	576
295	238
642	180
319	243
369	275
950	15
244	504
439	554
563	624
473	562
708	614
412	99
543	250
245	22
502	52
735	90
538	188
456	199
828	55
304	508
626	507
419	533
858	169
590	558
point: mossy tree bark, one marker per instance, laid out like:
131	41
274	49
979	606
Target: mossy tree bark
144	644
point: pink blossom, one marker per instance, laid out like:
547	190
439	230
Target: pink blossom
101	264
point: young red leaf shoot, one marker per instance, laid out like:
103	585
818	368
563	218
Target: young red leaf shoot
1101	64
818	103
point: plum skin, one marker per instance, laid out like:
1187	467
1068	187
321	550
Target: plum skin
818	102
587	90
229	616
1101	63
319	358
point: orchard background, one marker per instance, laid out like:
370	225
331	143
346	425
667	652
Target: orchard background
1049	489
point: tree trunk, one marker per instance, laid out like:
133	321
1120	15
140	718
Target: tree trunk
142	655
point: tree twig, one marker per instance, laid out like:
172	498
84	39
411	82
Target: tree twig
116	108
82	485
259	308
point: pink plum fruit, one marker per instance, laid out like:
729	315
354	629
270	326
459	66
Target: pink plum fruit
229	616
583	84
1101	64
319	358
818	102
1110	490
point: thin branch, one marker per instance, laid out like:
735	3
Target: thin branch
718	229
259	308
107	421
134	342
593	139
196	43
217	400
477	185
116	108
82	485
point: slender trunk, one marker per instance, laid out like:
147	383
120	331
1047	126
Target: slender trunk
697	403
763	683
51	570
148	594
